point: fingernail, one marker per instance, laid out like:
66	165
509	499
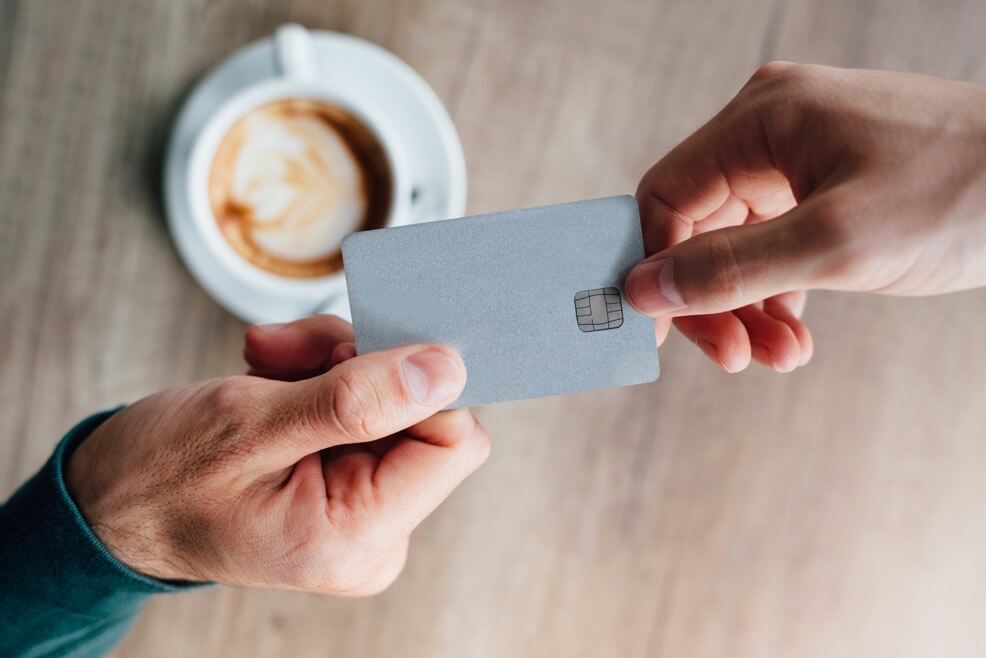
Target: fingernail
346	351
270	327
432	377
762	354
651	290
711	351
778	363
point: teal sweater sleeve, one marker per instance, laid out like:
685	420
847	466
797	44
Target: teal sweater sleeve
62	593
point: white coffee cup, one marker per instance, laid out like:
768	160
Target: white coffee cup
298	79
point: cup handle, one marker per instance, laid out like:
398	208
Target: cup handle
293	52
423	203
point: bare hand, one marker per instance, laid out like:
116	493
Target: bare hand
313	484
812	178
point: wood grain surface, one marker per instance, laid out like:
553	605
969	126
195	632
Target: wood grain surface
836	512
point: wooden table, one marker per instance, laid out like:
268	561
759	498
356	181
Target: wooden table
838	511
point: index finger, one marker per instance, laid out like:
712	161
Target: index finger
727	159
296	350
682	188
422	469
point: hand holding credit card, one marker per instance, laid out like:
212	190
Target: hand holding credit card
532	299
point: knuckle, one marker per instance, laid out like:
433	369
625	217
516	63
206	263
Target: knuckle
353	404
781	92
228	424
226	396
721	277
352	510
773	71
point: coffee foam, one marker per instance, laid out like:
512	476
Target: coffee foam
291	179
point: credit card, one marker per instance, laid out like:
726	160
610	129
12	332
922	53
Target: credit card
533	299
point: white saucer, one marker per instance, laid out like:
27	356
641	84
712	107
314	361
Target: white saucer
430	143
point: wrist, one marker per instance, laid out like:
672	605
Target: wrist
113	505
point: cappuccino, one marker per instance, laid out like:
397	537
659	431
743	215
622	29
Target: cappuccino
292	178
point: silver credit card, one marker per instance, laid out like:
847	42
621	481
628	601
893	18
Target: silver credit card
532	299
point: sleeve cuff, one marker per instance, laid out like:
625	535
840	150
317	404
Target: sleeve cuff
98	552
51	556
62	592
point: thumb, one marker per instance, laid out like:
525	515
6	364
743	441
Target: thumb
731	267
369	397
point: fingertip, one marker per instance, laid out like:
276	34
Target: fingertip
735	361
485	443
805	340
480	440
434	375
343	352
730	360
787	308
662	326
456	429
451	353
261	341
710	351
761	354
781	358
258	334
268	327
728	338
254	348
807	348
651	290
779	346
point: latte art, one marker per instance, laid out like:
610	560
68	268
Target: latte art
291	179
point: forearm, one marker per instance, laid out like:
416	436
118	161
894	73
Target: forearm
61	591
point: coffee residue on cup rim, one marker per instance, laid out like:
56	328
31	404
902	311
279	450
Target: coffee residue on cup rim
237	220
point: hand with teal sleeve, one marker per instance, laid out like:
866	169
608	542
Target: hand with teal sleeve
309	474
62	593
